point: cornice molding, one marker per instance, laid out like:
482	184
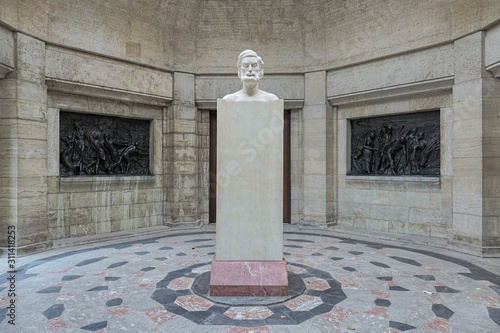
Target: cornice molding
445	83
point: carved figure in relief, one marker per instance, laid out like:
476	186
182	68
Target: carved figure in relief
68	154
366	153
97	144
128	156
414	143
250	71
109	144
397	154
79	137
382	162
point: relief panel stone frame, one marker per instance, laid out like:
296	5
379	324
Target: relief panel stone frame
80	104
396	145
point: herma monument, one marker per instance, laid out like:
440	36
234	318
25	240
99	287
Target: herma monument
249	233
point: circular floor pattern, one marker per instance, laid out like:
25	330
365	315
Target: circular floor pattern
146	285
317	296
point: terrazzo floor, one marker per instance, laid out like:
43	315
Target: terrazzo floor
353	283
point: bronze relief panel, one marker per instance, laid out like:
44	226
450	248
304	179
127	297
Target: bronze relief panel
406	144
92	145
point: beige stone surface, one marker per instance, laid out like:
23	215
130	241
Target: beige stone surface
114	29
468	56
331	61
415	67
30	59
6	51
313	34
93	205
106	73
318	162
249	181
492	47
182	157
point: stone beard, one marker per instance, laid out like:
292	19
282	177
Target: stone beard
250	71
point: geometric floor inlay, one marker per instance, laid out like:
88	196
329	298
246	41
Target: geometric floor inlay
311	300
341	284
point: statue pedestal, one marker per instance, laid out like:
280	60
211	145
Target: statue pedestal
249	230
248	278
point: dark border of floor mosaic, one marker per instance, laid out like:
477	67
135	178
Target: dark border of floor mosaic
282	315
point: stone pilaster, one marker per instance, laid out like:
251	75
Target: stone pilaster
23	144
181	146
318	154
476	162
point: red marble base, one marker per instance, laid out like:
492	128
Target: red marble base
248	278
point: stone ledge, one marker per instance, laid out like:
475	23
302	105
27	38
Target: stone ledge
402	179
185	225
106	178
84	184
32	248
110	237
416	242
309	225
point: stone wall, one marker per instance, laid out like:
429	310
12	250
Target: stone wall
461	204
204	37
113	29
404	204
40	81
89	205
331	61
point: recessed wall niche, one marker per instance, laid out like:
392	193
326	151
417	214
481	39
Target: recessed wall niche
404	144
94	145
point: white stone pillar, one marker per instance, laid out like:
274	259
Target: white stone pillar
249	239
249	181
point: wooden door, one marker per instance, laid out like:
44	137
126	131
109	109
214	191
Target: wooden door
287	198
286	168
212	209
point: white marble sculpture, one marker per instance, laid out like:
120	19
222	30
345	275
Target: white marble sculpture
250	71
249	233
250	169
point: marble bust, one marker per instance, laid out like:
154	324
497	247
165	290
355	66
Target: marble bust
250	71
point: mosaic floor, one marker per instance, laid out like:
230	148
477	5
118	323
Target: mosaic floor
351	284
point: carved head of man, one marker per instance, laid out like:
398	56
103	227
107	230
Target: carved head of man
250	67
